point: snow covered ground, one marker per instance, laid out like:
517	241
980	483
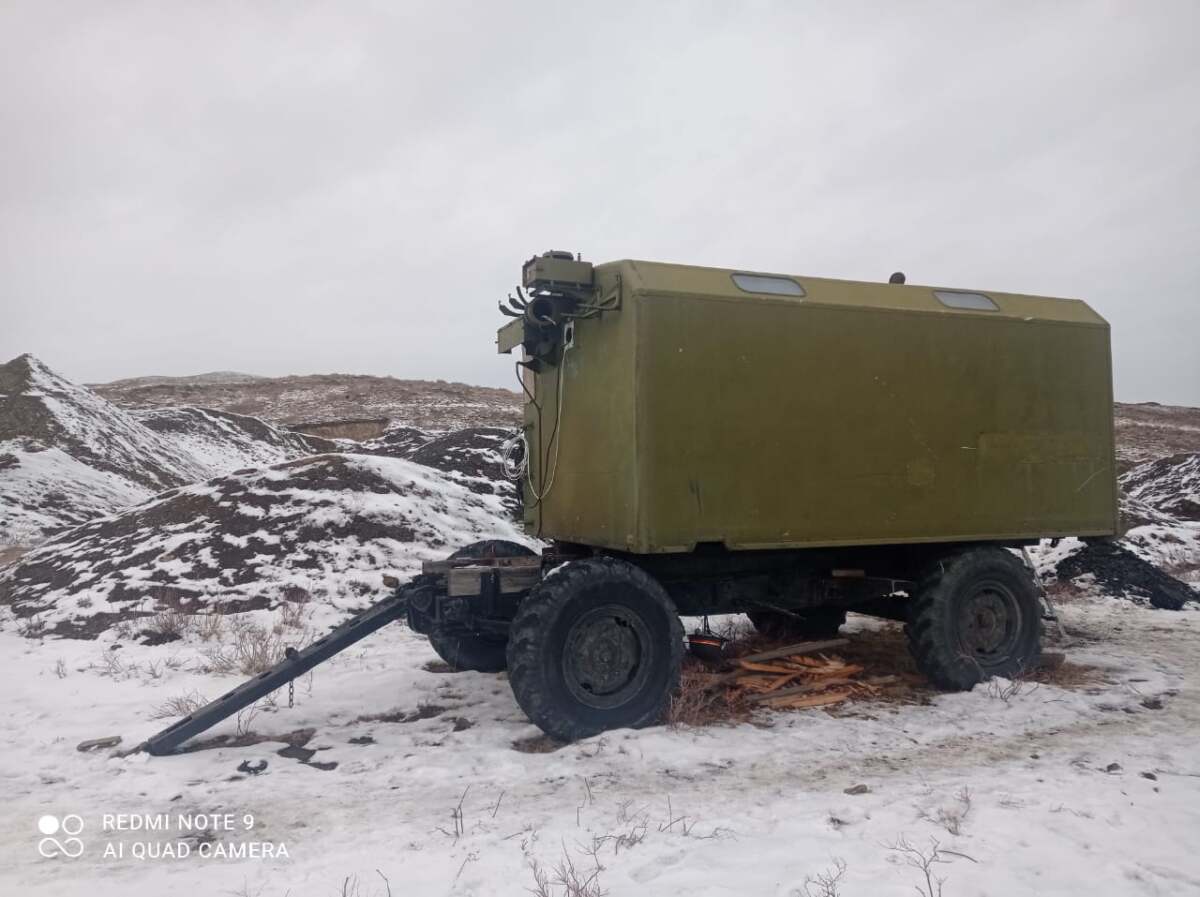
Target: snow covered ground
1093	789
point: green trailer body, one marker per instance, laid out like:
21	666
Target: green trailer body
798	412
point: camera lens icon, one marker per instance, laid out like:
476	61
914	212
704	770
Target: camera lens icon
70	825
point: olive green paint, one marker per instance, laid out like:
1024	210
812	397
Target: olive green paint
860	413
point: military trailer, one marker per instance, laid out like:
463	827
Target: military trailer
702	441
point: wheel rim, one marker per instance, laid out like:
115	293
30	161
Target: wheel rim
604	656
989	623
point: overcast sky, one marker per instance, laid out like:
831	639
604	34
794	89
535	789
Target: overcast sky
299	188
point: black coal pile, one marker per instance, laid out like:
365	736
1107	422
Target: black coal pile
1123	574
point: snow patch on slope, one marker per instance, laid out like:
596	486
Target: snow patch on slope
1171	485
223	442
43	489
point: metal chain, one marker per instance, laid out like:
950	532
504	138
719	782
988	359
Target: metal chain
291	693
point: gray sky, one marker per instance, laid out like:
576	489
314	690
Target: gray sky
298	188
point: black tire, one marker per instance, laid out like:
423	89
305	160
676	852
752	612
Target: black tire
597	645
975	615
480	653
812	623
493	548
470	652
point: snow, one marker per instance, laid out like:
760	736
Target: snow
109	433
70	456
44	488
1171	485
765	804
221	442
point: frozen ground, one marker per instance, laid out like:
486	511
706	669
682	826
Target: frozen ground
1090	790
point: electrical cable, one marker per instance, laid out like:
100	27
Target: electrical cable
551	470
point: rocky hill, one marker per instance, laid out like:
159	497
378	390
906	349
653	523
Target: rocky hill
288	401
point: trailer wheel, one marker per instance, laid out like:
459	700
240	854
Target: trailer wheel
812	623
596	645
974	615
483	654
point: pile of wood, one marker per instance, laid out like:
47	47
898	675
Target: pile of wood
798	676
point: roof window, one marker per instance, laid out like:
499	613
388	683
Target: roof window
765	283
969	301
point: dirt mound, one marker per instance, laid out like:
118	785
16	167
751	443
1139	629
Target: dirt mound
223	442
38	405
67	455
397	442
1169	485
473	453
473	457
1121	573
326	527
428	404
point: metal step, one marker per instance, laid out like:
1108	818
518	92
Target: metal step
296	663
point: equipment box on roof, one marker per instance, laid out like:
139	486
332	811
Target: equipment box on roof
765	411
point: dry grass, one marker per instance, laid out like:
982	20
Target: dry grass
292	616
167	625
31	627
113	665
1071	676
253	650
694	704
537	744
1065	592
180	705
209	626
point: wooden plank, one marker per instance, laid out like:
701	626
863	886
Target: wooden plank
808	689
800	648
784	680
777	669
800	702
